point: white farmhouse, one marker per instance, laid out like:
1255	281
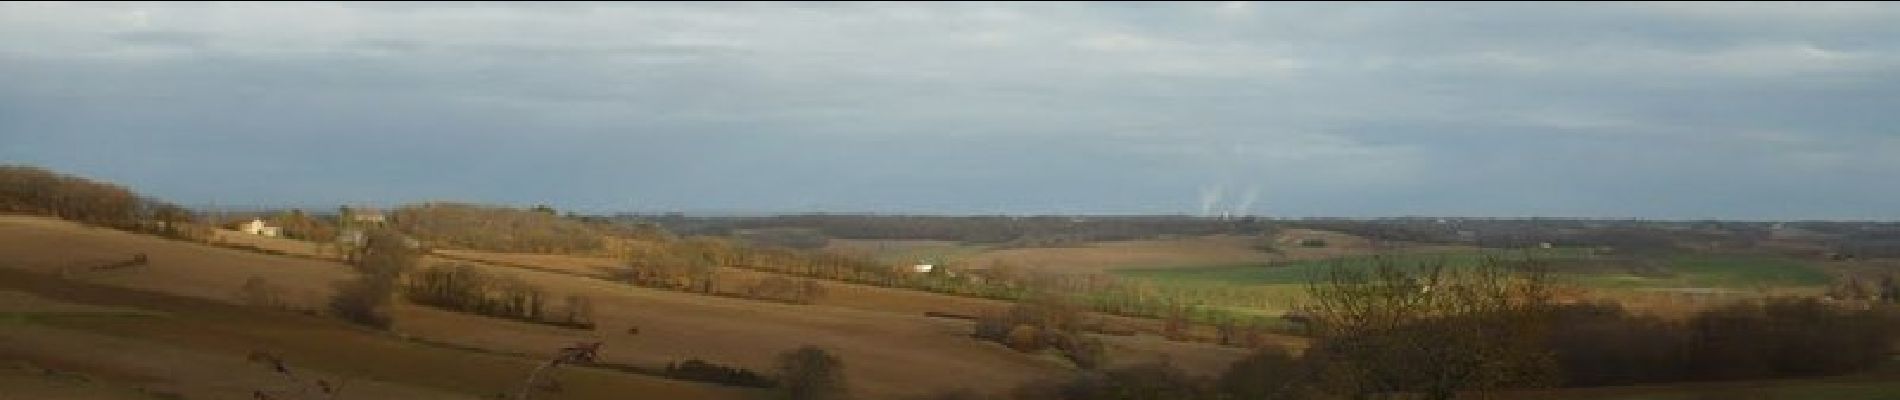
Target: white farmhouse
257	227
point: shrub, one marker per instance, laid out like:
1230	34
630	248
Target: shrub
778	288
1158	381
702	371
953	394
1268	374
258	292
1024	338
1430	330
810	373
1085	352
464	288
1787	337
1602	344
362	301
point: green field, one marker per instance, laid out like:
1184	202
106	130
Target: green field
1674	271
1718	271
1300	272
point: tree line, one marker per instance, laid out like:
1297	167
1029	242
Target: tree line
464	288
37	191
494	228
1019	230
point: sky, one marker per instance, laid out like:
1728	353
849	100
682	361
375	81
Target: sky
1598	110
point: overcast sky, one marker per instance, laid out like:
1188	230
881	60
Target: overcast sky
1654	110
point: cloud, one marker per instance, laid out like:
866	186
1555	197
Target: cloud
1328	109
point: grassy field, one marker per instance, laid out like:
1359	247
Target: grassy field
1193	252
1671	284
1302	271
1719	271
1677	271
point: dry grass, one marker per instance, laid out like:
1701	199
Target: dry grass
17	303
49	246
198	348
27	381
886	354
1195	357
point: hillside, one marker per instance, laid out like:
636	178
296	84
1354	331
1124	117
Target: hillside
892	300
199	348
886	353
171	324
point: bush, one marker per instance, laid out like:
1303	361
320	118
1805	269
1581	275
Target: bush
778	288
363	302
1024	338
382	261
1775	338
1039	324
1157	381
1429	329
953	394
702	371
1085	352
1268	374
1601	345
258	292
464	288
1786	337
810	373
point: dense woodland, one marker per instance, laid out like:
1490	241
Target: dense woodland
31	190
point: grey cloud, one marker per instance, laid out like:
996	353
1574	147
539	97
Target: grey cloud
1743	110
185	39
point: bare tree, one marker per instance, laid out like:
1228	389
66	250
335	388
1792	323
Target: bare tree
576	354
1430	329
810	373
381	262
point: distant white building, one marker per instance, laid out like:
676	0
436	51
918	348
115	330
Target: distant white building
922	268
258	227
363	216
